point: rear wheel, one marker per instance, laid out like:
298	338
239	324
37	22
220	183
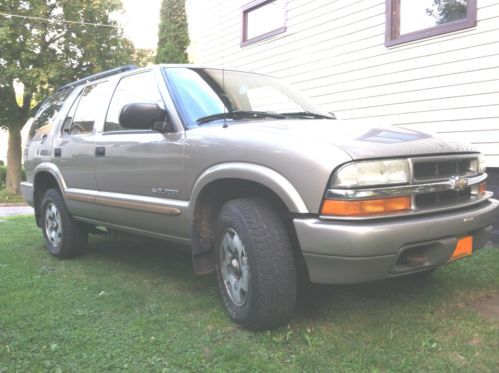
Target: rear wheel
256	266
65	238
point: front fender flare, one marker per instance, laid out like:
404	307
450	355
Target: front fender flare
255	173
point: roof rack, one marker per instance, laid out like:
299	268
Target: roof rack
100	75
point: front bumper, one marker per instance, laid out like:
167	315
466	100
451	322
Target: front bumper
342	252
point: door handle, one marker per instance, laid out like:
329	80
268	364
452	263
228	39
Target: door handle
57	152
100	151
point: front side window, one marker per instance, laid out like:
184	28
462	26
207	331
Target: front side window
211	95
46	114
410	20
263	19
133	89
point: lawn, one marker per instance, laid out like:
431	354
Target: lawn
10	198
138	307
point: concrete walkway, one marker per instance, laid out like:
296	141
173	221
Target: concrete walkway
16	210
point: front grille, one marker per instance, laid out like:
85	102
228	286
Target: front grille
439	199
428	170
441	169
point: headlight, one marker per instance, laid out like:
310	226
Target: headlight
477	165
481	164
370	173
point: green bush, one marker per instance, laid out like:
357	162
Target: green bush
3	176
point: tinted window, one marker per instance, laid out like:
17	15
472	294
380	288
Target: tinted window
205	92
46	114
66	127
139	88
92	102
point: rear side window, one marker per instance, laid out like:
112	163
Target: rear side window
133	89
46	114
81	117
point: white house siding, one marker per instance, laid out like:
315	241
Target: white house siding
334	52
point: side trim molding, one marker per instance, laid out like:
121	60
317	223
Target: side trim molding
80	195
127	201
140	206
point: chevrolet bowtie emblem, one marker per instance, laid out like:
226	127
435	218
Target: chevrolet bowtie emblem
458	183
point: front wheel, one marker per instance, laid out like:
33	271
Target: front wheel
256	267
65	238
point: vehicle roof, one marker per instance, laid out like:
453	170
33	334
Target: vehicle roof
123	69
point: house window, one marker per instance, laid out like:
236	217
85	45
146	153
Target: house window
263	19
409	20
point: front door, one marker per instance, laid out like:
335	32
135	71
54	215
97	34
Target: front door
140	173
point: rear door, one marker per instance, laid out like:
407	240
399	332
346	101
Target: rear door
140	173
38	148
74	148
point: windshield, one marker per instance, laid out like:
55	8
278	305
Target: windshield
212	95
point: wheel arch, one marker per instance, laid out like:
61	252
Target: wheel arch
223	183
250	172
46	176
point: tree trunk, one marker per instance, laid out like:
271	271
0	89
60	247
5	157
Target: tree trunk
14	159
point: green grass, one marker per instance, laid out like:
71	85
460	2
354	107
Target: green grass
138	307
10	198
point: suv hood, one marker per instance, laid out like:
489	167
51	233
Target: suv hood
361	140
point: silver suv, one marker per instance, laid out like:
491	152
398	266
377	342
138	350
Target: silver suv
259	183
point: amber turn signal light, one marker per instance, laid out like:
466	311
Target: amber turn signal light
482	188
365	207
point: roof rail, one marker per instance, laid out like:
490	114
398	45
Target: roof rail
100	75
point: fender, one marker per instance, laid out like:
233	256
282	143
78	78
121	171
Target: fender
251	172
54	171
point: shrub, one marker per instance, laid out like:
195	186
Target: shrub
3	176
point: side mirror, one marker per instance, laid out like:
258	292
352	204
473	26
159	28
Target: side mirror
144	116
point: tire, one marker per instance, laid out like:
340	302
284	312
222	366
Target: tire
256	268
64	237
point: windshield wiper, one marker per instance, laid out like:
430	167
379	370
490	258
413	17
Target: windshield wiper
307	115
239	114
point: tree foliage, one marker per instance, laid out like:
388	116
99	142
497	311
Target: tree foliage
173	35
447	10
44	52
143	56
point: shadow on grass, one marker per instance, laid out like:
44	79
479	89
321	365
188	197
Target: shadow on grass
152	260
166	262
